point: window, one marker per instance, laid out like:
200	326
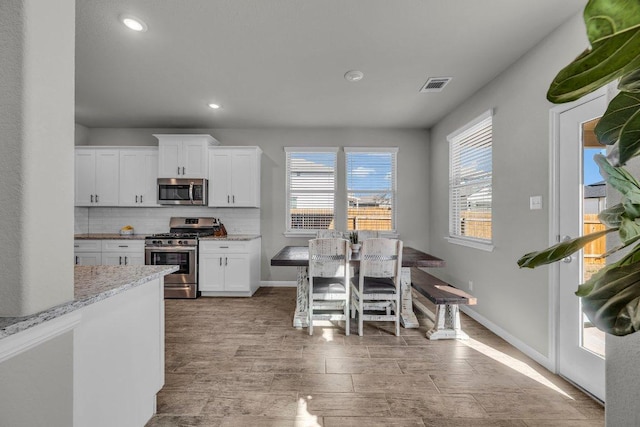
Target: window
371	188
311	189
470	189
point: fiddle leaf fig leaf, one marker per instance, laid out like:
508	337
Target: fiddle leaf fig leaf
629	142
609	58
560	250
612	217
630	82
618	113
613	302
618	178
631	210
629	230
607	18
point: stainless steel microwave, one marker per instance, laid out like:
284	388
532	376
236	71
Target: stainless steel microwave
182	191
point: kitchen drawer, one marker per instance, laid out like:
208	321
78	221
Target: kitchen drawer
123	246
87	246
224	247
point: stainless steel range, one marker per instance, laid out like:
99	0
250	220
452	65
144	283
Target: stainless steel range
180	247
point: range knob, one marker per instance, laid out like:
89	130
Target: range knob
170	242
180	242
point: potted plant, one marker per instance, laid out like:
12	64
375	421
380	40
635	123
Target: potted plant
355	244
610	298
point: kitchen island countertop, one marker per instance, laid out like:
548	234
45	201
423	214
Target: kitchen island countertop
91	284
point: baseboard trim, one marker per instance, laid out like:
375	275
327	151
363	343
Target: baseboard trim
278	284
534	354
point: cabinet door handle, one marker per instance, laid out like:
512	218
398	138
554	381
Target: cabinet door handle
120	260
123	246
141	198
225	260
76	260
227	198
76	246
220	261
92	198
126	261
136	199
183	170
96	198
178	170
224	247
234	198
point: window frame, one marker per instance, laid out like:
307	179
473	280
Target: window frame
307	232
394	190
453	139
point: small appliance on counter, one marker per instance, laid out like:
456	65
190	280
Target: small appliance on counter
180	247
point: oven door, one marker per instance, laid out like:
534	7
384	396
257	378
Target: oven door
182	283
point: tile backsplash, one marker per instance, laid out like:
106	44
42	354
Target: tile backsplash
156	220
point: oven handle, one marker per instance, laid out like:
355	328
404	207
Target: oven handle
171	249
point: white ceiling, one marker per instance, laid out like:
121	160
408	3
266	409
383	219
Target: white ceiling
280	63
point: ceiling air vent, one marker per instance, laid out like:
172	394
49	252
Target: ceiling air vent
435	84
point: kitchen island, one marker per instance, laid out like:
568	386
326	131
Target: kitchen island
97	360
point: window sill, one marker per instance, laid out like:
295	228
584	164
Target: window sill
487	247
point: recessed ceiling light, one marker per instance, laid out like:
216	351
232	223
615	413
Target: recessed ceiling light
133	23
214	106
353	76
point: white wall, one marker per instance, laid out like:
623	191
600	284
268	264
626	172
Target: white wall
413	175
515	300
36	154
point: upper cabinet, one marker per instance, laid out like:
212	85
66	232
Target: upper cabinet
234	177
116	176
96	176
184	156
138	177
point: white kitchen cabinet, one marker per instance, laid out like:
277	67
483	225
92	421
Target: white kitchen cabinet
123	252
87	252
229	268
184	156
234	176
138	177
96	176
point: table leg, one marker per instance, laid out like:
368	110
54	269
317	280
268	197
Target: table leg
407	316
301	316
447	324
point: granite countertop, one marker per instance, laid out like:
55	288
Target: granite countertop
109	236
91	284
236	237
116	236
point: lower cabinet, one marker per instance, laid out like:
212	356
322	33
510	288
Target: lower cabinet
122	252
87	252
229	268
109	252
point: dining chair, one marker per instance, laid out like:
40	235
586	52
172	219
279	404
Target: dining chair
329	234
329	281
377	286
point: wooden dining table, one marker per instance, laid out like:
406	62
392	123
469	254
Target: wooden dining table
298	256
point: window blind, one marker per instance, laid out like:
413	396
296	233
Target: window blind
371	188
470	180
311	189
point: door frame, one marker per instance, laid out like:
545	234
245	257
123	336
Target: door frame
554	212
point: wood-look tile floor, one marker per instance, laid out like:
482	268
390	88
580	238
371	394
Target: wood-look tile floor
239	362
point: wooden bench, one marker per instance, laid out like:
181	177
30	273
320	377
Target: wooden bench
447	300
